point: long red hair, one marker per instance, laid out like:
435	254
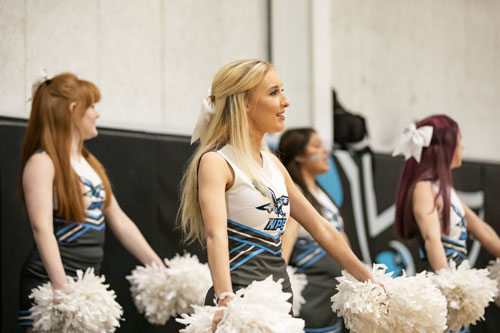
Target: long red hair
435	165
50	129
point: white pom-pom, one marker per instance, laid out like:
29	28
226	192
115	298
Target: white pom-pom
164	292
84	305
468	292
415	305
298	282
362	304
262	307
494	268
404	304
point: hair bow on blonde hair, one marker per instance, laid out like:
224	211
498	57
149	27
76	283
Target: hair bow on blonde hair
206	113
413	140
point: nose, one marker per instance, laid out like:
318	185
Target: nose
284	101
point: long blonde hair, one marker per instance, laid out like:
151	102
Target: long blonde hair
50	129
232	88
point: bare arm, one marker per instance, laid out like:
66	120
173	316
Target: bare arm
38	178
129	235
346	239
483	232
323	232
426	215
289	238
214	175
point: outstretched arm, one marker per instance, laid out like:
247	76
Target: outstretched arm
323	232
483	232
129	235
426	215
38	179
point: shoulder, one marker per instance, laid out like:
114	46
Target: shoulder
423	186
424	196
211	160
39	166
40	161
423	189
213	163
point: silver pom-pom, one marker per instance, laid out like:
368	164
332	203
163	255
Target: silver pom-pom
84	305
468	292
262	307
164	292
494	268
298	282
403	304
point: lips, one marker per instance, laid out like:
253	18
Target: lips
281	115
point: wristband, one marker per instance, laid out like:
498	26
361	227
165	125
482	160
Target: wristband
224	295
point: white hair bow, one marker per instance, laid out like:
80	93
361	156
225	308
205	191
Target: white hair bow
206	113
38	82
413	140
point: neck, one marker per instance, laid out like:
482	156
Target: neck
255	141
75	143
309	179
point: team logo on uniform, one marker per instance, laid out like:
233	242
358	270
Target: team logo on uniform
277	205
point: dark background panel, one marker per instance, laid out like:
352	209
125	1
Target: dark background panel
16	236
130	163
387	172
469	177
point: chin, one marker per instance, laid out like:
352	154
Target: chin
278	128
91	135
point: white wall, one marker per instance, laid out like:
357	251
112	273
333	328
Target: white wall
300	48
396	61
153	60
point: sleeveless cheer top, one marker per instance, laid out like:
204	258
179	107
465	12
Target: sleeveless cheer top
320	270
306	251
80	243
254	224
454	243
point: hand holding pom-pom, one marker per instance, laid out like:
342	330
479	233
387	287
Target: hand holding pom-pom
261	307
84	305
402	304
164	292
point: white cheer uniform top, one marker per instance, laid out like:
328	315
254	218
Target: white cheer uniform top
254	224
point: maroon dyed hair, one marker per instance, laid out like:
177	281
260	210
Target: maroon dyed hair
434	165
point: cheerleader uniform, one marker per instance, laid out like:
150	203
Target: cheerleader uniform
320	269
80	243
255	226
454	243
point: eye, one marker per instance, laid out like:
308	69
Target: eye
274	92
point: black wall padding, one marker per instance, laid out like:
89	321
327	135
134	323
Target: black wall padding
145	170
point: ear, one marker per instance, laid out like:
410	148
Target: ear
72	106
